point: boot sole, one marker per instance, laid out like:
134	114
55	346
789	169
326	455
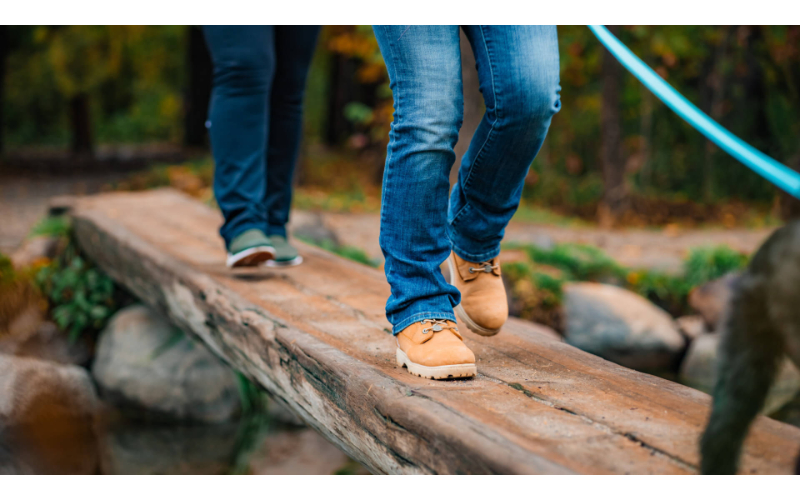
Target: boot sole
285	263
462	314
251	257
466	370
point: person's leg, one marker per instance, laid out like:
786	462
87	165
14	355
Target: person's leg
518	72
294	47
244	65
518	69
424	65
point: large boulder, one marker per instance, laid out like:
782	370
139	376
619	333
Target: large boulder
46	418
145	364
620	326
710	299
698	370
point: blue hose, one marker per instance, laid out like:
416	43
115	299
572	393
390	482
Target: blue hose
775	172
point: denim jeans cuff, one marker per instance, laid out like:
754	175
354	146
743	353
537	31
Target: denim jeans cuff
475	257
403	324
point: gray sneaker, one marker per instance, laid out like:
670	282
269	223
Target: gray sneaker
250	249
285	254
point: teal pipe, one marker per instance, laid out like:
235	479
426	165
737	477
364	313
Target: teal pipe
775	172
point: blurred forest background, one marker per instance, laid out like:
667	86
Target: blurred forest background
83	95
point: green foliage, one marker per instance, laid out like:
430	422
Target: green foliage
253	398
81	296
578	262
709	263
133	75
746	77
7	273
253	428
358	113
17	292
58	226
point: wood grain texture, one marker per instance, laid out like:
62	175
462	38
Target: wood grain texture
315	337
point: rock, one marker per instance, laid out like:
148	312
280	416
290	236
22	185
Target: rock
691	327
46	418
709	300
134	447
698	370
620	326
48	343
145	364
34	249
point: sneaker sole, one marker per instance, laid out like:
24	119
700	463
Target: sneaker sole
251	257
285	263
466	370
462	314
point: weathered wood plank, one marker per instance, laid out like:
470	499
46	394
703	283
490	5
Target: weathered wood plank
315	337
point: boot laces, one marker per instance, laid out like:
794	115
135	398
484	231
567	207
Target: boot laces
437	325
484	267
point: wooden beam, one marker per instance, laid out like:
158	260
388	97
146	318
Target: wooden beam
315	337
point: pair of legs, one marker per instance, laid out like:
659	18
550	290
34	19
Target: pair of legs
255	122
421	222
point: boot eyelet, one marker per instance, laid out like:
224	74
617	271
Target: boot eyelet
426	330
471	270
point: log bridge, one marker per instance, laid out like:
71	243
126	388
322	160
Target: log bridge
315	337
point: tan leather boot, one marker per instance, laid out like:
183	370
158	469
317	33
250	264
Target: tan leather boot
483	307
434	349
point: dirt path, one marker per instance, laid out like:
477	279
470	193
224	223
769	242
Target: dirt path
638	248
23	201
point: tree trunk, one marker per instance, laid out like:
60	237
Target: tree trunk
198	92
342	83
3	54
789	205
646	127
473	104
614	200
80	122
714	96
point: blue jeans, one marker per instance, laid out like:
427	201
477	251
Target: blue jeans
255	121
518	70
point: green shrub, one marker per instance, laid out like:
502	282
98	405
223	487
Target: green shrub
82	297
709	263
52	226
578	262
